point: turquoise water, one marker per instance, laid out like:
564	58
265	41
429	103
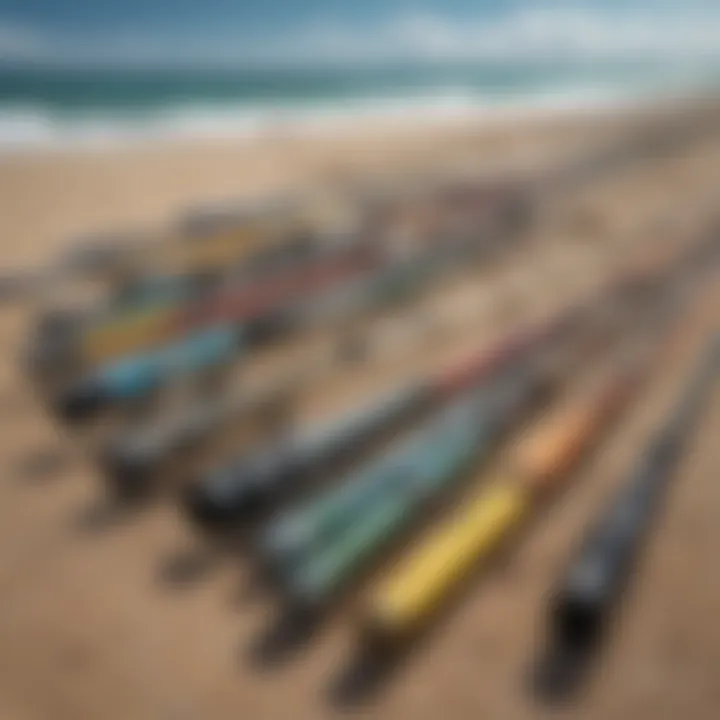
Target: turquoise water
45	105
74	90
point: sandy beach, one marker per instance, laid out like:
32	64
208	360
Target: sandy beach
88	631
50	198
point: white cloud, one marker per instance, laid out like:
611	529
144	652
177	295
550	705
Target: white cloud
573	33
563	32
665	33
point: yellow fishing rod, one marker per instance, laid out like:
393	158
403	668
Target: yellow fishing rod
212	250
399	606
154	278
214	240
295	242
419	585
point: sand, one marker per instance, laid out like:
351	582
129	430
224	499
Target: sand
89	631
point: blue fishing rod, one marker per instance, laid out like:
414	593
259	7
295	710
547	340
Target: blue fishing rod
587	595
138	376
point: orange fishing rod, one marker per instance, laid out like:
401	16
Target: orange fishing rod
401	606
538	463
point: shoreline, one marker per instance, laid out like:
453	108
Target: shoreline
30	130
50	200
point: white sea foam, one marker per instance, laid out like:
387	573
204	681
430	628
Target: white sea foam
28	128
678	41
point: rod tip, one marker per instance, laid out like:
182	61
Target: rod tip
206	507
360	681
556	675
289	634
129	471
80	402
576	628
53	349
225	497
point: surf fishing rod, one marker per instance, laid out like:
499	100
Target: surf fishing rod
73	337
287	232
172	314
317	561
316	548
235	489
137	376
589	591
257	307
539	462
421	582
292	235
133	460
392	271
401	606
313	551
260	286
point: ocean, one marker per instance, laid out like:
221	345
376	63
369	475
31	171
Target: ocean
60	107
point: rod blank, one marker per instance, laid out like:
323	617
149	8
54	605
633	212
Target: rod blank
591	587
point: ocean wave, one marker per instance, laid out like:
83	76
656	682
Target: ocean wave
28	127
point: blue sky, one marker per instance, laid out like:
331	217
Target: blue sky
183	19
230	31
188	16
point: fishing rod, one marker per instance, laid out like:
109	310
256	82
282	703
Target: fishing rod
177	310
538	462
137	376
313	551
74	337
316	551
312	560
400	608
433	245
288	232
292	233
290	535
138	456
237	489
586	596
234	490
133	460
134	376
250	289
141	452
